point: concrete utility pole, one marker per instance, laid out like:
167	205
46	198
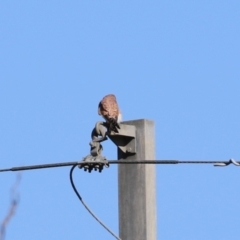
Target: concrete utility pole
137	193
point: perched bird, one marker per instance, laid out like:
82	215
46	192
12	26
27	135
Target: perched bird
108	108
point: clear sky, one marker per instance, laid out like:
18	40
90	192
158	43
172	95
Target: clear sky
174	62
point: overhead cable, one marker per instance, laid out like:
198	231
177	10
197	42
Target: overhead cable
79	163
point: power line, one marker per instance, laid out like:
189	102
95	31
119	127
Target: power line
85	205
65	164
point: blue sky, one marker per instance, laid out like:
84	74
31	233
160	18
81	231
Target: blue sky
174	62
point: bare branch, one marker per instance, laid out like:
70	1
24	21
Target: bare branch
14	203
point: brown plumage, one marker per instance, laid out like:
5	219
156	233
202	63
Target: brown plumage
108	108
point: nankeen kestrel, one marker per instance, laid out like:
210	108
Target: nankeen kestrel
108	108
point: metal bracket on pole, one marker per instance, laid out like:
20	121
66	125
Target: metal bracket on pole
125	139
95	160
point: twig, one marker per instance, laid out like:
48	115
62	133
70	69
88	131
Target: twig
14	203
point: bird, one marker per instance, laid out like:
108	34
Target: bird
109	110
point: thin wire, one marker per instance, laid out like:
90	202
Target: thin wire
84	204
64	164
